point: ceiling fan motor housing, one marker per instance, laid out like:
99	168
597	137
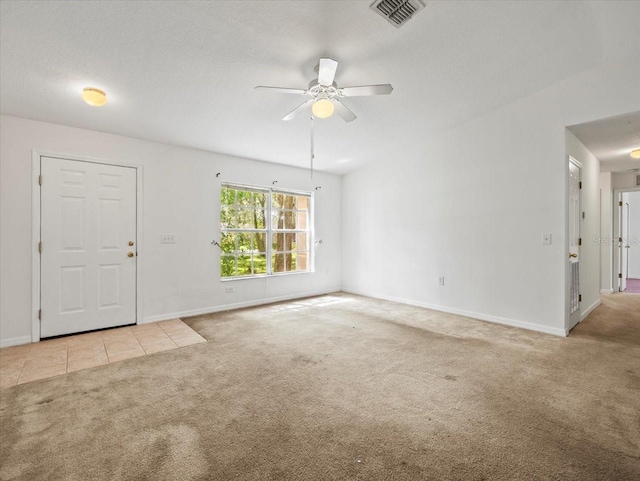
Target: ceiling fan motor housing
317	91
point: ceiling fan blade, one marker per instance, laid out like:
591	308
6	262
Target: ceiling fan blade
282	90
327	71
342	110
297	110
384	89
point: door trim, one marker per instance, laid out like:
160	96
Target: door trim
615	225
567	266
36	156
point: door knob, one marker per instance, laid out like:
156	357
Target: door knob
573	255
130	254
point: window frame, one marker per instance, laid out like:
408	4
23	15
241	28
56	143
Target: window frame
269	231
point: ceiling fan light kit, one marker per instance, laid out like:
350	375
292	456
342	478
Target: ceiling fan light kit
635	154
322	108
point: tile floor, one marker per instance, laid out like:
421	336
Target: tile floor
41	360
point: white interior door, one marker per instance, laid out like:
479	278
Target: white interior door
575	217
624	244
88	259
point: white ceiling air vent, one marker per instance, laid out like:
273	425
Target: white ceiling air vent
397	12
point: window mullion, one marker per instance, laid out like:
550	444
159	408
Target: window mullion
267	221
235	253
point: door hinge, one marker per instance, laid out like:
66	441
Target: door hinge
619	239
580	241
620	203
40	179
40	247
580	185
39	314
579	297
619	276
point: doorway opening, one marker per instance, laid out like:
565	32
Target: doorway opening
626	271
605	147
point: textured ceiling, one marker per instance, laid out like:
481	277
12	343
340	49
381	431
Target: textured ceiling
612	140
183	72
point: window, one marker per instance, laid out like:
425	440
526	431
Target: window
264	231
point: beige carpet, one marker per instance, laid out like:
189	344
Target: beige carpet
343	387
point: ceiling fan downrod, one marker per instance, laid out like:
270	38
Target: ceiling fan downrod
312	146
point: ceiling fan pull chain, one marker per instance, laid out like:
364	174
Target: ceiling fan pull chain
312	140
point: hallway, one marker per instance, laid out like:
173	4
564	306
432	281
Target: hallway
616	320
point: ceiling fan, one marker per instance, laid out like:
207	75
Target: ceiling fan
325	94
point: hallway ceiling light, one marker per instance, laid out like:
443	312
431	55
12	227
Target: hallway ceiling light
95	97
635	154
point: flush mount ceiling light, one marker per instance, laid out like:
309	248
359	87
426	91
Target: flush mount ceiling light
95	97
322	108
635	154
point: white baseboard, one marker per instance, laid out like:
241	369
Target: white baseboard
590	309
606	291
15	341
237	305
474	315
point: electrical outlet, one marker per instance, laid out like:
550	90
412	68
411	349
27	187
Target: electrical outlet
441	281
546	239
168	239
229	290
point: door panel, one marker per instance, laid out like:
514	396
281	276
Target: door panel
88	218
625	244
109	282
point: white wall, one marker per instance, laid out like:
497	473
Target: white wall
590	224
181	196
606	233
623	180
475	205
634	234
